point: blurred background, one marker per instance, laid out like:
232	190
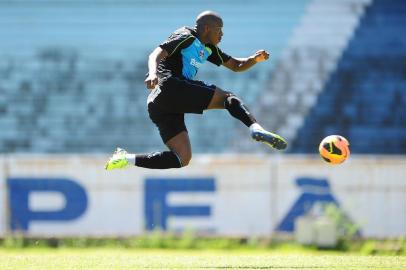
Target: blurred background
71	91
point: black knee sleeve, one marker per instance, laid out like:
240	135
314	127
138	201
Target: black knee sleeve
238	110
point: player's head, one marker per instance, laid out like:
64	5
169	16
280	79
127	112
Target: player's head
209	27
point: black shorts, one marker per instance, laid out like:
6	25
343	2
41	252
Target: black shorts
174	97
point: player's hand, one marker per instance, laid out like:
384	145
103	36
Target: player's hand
151	81
261	55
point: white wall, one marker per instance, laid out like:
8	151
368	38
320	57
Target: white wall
251	196
371	190
3	200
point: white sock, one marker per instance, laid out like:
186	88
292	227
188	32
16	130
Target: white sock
255	126
130	158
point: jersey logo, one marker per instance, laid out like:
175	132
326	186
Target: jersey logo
194	63
201	54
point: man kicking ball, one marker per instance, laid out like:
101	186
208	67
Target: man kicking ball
172	67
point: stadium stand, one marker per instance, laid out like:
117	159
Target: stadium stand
364	99
72	72
307	62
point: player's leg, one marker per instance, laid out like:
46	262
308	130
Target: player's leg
166	106
180	144
174	134
227	100
179	154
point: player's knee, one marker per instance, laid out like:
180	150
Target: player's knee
186	157
218	99
231	99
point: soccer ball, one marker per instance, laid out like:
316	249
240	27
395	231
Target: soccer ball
334	149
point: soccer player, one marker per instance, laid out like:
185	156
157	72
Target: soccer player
172	67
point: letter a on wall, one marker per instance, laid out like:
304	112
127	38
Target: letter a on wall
312	191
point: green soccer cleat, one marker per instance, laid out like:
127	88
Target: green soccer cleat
117	160
271	139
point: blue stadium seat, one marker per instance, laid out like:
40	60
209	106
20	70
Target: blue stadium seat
364	100
82	66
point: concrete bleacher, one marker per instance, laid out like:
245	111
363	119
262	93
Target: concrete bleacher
71	72
307	62
363	99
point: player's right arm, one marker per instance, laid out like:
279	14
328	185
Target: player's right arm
153	61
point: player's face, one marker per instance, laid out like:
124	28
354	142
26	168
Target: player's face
215	33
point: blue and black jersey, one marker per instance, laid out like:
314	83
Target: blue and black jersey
186	54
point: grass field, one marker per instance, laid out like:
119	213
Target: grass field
170	259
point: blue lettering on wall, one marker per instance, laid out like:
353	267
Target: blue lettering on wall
313	191
20	189
156	208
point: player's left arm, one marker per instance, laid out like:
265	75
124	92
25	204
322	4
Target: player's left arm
242	64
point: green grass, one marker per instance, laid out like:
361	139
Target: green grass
106	258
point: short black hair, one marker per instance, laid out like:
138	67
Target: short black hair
208	18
